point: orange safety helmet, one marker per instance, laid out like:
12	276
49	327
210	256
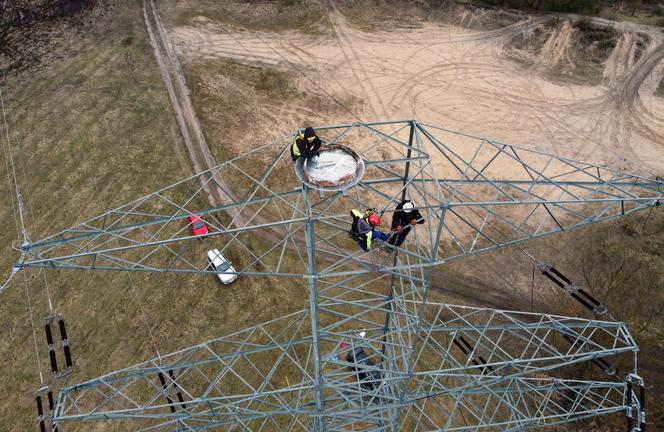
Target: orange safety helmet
374	219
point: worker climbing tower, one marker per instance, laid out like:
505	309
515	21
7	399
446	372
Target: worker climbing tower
371	352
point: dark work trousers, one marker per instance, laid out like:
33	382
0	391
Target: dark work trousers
399	237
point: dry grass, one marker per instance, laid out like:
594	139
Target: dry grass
241	106
388	15
89	130
35	33
307	16
95	129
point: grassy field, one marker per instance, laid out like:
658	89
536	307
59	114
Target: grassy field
89	129
307	16
242	106
92	130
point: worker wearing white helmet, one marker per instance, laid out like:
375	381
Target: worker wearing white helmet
405	217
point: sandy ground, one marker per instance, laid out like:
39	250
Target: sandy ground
463	80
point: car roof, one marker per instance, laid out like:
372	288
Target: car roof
216	257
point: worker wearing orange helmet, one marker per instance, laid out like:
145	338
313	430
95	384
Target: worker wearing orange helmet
363	230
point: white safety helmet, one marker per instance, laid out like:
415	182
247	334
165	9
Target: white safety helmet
408	207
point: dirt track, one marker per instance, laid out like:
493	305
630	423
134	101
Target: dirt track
199	152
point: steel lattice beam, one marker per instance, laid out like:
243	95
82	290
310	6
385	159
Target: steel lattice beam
432	366
268	372
494	195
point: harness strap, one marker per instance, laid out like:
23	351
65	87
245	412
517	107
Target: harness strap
295	148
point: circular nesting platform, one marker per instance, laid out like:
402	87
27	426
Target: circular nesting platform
337	168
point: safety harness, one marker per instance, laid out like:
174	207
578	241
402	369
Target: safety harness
295	150
354	232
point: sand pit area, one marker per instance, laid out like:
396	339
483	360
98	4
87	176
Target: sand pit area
466	80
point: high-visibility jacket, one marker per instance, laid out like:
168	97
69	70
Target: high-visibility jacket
305	147
361	228
295	149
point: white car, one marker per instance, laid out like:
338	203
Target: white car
226	272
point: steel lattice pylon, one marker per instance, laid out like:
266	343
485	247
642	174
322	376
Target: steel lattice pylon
433	366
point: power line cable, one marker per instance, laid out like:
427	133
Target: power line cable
8	281
26	188
48	291
10	189
5	150
537	263
13	167
25	237
31	216
32	219
144	316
